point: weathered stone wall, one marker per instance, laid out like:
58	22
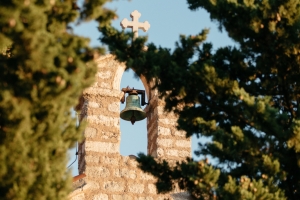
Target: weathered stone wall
164	140
108	174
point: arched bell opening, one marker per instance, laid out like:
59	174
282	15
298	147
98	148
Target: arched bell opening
133	137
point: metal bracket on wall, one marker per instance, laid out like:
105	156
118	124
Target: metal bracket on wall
134	91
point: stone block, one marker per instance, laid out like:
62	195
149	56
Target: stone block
172	152
136	188
90	132
101	92
93	105
183	143
92	159
105	85
184	154
103	147
114	186
104	74
168	121
125	173
125	159
100	197
160	110
108	160
114	107
101	64
103	61
91	185
145	176
164	131
133	163
96	172
129	161
180	133
164	142
152	189
104	120
110	135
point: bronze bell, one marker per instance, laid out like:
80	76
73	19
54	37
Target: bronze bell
133	110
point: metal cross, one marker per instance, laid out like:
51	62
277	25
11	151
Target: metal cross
135	24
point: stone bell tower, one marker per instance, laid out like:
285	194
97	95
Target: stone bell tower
104	173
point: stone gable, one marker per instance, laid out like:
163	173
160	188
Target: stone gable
104	173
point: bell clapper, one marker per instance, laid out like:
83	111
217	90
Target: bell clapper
132	119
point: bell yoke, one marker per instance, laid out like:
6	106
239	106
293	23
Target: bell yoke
133	111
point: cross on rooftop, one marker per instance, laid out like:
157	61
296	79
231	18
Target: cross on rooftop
135	24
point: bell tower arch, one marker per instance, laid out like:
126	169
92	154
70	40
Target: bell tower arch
133	137
107	174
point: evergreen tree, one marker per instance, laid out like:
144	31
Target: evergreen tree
245	98
44	69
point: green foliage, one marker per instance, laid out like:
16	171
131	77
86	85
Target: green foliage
244	98
198	177
247	189
44	69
